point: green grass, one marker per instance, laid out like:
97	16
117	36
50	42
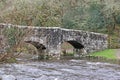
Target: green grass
109	54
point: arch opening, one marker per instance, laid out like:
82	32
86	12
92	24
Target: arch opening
37	45
40	51
76	44
72	48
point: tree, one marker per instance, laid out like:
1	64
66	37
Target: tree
96	19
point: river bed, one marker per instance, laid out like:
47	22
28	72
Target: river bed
60	70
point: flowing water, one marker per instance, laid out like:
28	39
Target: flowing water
60	70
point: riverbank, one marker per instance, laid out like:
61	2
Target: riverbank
108	53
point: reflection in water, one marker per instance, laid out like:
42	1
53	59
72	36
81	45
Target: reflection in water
61	70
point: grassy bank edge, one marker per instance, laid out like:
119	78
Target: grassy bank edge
108	53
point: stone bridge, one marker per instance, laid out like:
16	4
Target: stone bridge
49	39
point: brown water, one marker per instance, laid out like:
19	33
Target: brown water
60	70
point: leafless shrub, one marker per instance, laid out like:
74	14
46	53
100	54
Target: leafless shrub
11	42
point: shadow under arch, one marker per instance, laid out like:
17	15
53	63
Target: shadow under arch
36	44
77	48
76	44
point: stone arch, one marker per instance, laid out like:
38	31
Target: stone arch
41	48
78	48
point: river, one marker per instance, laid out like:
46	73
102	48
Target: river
60	70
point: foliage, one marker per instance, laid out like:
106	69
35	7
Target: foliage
109	53
11	60
96	19
75	16
25	12
14	43
13	35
